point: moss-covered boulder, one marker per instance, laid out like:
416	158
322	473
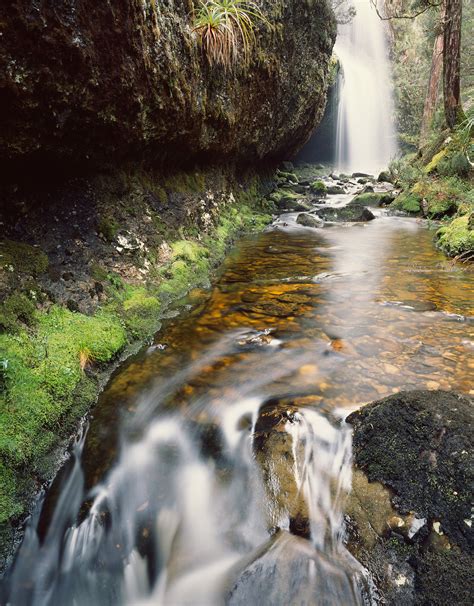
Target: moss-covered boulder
352	212
318	187
457	238
373	199
418	448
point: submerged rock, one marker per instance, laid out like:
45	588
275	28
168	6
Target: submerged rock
289	570
410	513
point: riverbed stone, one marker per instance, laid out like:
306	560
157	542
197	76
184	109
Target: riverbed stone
289	570
350	213
308	220
415	450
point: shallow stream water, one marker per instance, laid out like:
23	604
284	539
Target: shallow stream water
213	467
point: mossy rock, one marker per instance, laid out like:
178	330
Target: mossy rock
318	187
372	199
16	310
23	257
396	441
109	228
141	313
418	445
408	202
456	238
441	207
335	190
287	176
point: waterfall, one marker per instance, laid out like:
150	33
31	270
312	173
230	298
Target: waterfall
366	138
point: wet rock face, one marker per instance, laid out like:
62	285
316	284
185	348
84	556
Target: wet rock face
97	81
410	513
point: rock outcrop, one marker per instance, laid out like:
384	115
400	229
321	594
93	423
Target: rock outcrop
96	82
409	514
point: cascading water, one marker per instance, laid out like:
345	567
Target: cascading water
187	509
366	138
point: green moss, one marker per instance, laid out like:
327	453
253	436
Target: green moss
9	505
318	187
456	238
16	309
141	313
43	384
98	272
42	370
23	258
108	227
188	250
286	176
161	194
435	160
368	199
408	202
456	165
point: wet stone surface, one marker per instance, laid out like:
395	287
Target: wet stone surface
411	525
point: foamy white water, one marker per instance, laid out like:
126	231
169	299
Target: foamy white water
366	138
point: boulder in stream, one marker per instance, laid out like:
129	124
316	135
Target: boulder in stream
309	220
350	213
409	514
289	570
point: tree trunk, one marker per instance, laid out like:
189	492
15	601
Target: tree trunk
452	62
433	84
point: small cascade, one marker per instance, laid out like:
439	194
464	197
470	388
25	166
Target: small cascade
192	501
366	138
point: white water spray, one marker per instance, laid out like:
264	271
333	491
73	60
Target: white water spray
366	139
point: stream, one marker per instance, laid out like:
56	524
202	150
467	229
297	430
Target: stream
214	467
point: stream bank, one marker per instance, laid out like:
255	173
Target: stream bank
87	288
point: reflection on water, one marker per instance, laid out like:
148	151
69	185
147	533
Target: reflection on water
300	324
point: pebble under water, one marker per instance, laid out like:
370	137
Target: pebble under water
214	467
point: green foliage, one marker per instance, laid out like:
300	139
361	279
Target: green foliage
406	171
456	165
188	251
23	258
44	386
456	238
226	30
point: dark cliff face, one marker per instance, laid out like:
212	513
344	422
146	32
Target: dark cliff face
95	82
